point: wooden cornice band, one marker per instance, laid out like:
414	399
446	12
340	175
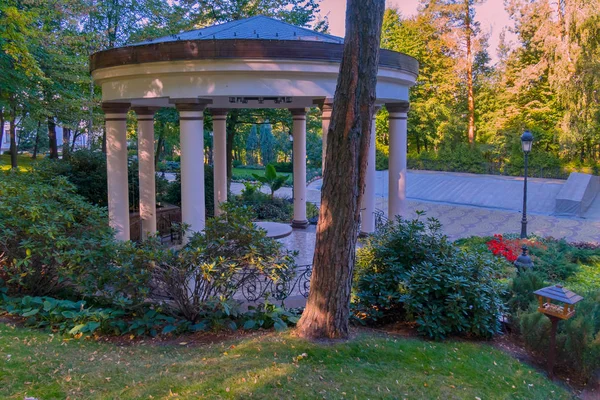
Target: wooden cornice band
239	49
115	108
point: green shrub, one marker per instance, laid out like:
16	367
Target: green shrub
85	169
520	291
455	294
383	265
173	192
213	265
262	206
50	237
283	166
410	266
381	156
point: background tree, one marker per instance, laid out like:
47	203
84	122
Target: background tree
328	305
267	144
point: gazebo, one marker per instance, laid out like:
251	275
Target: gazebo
257	62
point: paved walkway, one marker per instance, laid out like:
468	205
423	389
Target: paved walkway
465	207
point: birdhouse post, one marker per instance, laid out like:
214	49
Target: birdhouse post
557	303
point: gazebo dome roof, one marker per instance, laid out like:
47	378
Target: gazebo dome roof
257	27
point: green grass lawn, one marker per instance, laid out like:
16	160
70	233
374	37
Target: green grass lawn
24	162
246	173
47	366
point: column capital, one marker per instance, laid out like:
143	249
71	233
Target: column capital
398	107
115	108
219	113
190	104
298	113
145	113
324	104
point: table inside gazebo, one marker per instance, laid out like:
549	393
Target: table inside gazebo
275	230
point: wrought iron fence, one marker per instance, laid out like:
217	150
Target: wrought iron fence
254	286
380	219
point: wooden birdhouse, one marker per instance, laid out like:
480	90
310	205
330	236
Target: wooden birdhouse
556	301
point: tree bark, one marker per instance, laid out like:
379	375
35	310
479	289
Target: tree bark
52	138
328	306
66	143
1	126
13	137
470	95
232	121
37	140
159	146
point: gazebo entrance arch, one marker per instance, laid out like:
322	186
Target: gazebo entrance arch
258	62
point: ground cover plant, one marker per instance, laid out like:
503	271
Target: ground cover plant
263	366
24	162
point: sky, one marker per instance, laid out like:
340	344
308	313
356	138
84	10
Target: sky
491	15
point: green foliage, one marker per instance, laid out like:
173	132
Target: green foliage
172	193
411	266
208	268
64	316
85	169
267	315
383	264
559	260
267	144
252	145
271	179
455	294
577	339
284	166
520	291
50	237
262	206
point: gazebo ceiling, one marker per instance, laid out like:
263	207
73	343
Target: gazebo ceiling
250	60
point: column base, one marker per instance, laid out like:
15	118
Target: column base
364	234
300	224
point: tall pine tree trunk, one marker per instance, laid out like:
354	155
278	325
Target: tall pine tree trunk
1	126
37	141
13	137
52	138
328	306
470	95
66	149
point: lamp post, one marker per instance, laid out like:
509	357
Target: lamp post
291	138
526	142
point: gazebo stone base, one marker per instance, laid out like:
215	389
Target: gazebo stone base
300	224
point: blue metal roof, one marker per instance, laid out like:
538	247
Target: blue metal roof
258	27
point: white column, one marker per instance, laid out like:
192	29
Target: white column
146	170
326	108
219	157
299	149
397	204
116	168
367	218
191	124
